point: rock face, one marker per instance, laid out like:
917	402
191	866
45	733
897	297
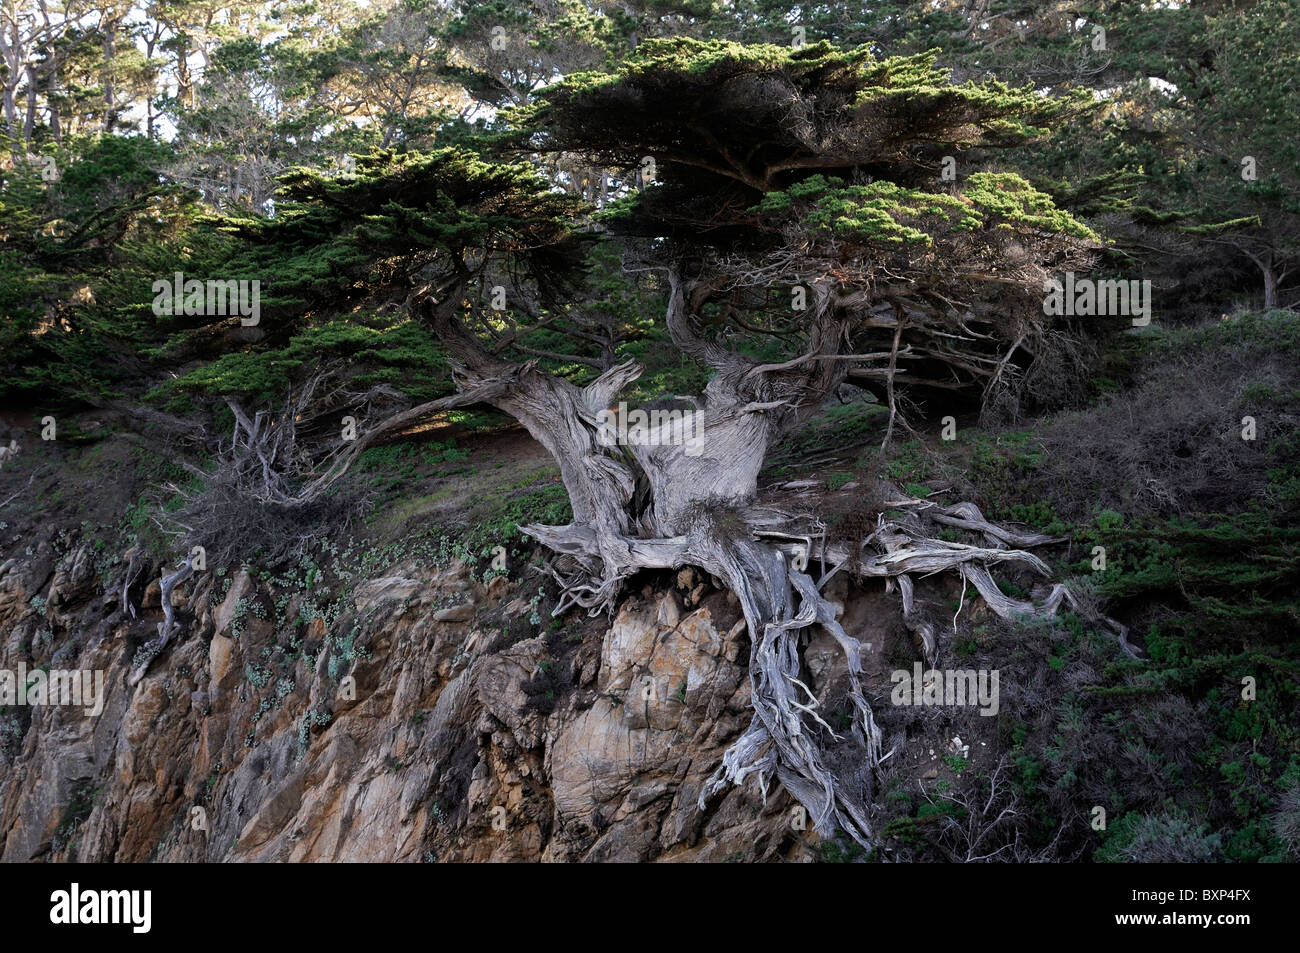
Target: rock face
431	718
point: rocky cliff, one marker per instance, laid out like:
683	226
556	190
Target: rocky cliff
434	717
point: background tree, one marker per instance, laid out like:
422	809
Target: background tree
1242	187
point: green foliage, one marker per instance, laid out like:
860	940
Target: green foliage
547	505
402	354
840	850
885	213
1172	837
907	462
837	480
65	247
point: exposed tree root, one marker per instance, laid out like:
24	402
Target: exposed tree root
154	647
785	738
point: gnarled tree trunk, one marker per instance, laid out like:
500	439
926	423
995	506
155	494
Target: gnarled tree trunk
664	503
